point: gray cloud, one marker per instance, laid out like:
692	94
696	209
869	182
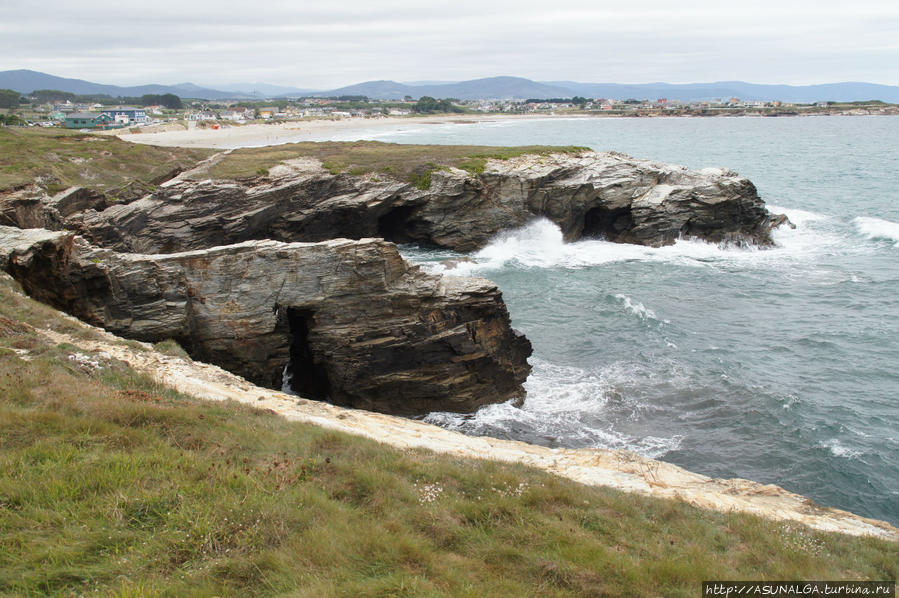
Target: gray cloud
311	45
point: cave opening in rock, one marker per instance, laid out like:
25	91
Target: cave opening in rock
393	226
607	223
305	374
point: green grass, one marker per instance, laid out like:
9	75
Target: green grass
412	163
115	485
59	158
171	347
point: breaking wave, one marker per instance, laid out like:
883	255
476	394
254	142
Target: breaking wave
539	244
878	229
838	449
565	406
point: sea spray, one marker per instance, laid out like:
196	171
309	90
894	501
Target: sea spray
878	229
566	406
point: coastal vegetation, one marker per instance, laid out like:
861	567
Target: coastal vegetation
406	162
429	105
61	158
9	98
113	484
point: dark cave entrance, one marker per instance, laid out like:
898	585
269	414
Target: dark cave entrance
393	226
606	223
307	375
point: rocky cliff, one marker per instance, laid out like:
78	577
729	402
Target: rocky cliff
259	272
356	323
588	194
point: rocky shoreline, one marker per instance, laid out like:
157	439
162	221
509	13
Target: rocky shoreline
589	195
283	277
290	279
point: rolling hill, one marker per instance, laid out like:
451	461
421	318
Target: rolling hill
25	81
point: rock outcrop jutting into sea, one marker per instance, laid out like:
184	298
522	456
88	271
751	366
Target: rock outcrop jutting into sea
357	324
257	273
588	194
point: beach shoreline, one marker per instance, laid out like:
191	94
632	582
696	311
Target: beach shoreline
234	136
254	135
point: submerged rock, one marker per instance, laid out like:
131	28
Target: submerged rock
357	324
597	195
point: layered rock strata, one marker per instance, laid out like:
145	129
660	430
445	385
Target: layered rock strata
358	325
596	195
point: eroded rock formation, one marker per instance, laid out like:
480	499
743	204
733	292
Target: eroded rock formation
591	194
247	274
359	325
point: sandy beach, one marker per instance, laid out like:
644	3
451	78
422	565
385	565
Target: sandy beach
254	135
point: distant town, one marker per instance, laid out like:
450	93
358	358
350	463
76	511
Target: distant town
53	108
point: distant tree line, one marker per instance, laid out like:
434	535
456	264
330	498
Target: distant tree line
10	119
429	105
257	104
169	100
52	96
9	98
48	96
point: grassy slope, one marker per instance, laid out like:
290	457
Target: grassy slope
403	161
111	483
121	169
66	158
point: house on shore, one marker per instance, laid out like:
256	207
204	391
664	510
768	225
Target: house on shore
90	120
127	116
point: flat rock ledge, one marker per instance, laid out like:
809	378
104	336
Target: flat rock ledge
589	195
357	324
596	467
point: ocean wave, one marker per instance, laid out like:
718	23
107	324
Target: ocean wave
636	308
797	216
837	449
539	244
877	229
565	406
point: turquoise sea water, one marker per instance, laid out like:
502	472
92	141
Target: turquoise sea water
781	365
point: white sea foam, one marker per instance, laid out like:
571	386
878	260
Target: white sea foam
838	449
286	379
878	229
564	404
636	308
539	244
797	216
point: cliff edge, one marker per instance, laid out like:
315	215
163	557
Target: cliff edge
302	198
347	321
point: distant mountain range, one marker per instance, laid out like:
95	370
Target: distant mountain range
25	81
492	87
260	90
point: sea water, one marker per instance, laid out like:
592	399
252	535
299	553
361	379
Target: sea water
779	365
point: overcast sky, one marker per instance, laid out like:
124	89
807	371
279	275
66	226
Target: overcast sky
325	45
